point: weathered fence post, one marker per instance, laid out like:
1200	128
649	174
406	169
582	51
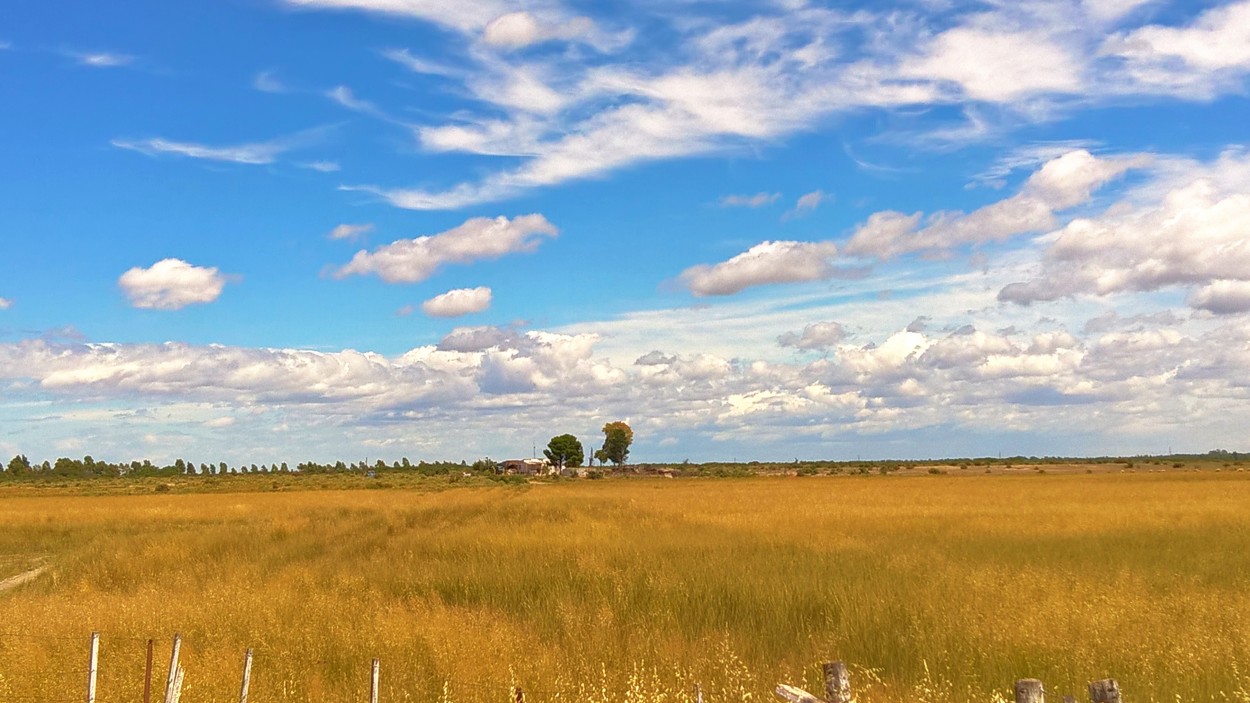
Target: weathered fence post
373	683
518	696
1104	691
698	693
1030	691
247	675
182	671
92	666
173	669
837	682
794	694
147	676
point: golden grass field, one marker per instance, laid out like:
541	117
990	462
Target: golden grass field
934	588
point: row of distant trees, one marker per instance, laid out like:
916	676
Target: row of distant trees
566	451
87	467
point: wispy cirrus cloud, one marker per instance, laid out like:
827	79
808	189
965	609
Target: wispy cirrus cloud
807	203
775	74
448	13
752	201
101	59
251	153
322	166
268	82
350	232
500	24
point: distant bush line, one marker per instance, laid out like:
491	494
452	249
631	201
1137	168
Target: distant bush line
19	468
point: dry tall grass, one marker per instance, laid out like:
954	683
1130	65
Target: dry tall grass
936	588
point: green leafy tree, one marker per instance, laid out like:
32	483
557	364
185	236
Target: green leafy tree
617	436
564	451
19	465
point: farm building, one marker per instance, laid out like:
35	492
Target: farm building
528	467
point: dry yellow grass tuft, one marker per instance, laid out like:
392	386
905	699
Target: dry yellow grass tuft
935	588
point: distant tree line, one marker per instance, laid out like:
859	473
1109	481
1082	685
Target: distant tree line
19	467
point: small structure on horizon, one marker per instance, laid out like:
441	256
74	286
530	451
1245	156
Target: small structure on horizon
527	467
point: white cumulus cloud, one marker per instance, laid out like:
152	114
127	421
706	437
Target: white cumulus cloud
413	260
818	335
1195	59
171	284
1060	184
762	264
458	302
1197	236
1222	297
999	66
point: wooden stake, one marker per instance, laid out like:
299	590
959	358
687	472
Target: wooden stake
1104	691
373	684
518	695
698	693
794	694
92	666
247	675
1030	691
837	682
173	669
178	684
147	676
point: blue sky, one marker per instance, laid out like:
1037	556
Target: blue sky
277	230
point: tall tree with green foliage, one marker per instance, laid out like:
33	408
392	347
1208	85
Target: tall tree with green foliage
564	451
19	465
617	436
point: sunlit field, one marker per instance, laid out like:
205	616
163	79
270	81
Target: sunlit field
933	588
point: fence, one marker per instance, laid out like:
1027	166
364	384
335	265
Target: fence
836	676
838	689
177	673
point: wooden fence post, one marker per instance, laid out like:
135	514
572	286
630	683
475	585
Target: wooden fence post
518	695
1104	691
247	675
794	694
698	693
837	682
147	676
92	666
373	683
182	671
1030	691
173	669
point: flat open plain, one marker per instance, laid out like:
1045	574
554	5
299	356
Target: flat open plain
934	587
